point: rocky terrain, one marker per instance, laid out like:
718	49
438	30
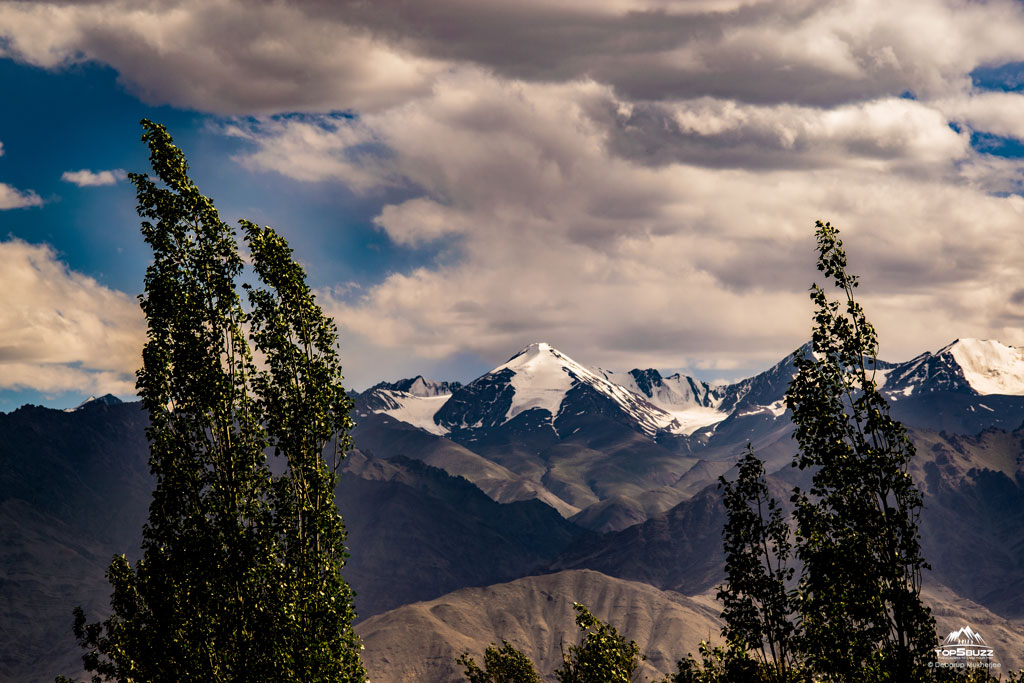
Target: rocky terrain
481	511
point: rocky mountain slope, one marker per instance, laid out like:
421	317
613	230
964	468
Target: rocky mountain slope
455	486
75	489
612	449
416	532
420	642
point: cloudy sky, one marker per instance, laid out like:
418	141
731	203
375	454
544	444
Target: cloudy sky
633	181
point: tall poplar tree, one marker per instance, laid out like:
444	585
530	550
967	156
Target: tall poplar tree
759	608
239	577
857	527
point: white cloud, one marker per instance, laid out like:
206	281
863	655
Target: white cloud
87	178
64	331
666	260
224	56
235	57
884	134
13	198
635	181
998	113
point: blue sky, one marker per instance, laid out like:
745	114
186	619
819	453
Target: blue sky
634	182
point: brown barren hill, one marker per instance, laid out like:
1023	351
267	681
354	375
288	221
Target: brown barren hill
420	642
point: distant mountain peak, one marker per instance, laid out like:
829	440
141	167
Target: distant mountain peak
543	392
989	366
532	352
541	377
971	366
104	400
419	386
551	390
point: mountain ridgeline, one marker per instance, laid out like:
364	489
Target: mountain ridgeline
570	482
615	448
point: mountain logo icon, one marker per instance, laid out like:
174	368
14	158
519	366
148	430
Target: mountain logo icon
965	636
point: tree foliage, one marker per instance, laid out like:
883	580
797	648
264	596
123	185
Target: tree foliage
239	577
604	656
857	527
501	665
759	607
855	613
729	664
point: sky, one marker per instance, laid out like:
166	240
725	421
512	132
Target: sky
633	181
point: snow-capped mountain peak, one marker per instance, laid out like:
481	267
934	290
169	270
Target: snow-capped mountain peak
989	366
414	400
542	375
419	386
971	366
106	400
691	403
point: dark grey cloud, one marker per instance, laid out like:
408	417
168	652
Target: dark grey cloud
261	56
635	179
224	57
809	52
533	41
633	51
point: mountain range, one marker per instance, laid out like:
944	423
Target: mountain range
612	449
541	482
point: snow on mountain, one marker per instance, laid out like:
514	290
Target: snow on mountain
416	410
978	367
675	392
414	401
988	366
419	386
542	377
106	400
547	384
764	390
692	403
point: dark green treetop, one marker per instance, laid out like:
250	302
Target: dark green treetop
501	665
759	605
855	613
239	578
731	663
604	656
857	527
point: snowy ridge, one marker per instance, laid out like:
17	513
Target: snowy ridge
416	410
106	400
675	392
979	367
692	404
542	377
988	366
419	386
